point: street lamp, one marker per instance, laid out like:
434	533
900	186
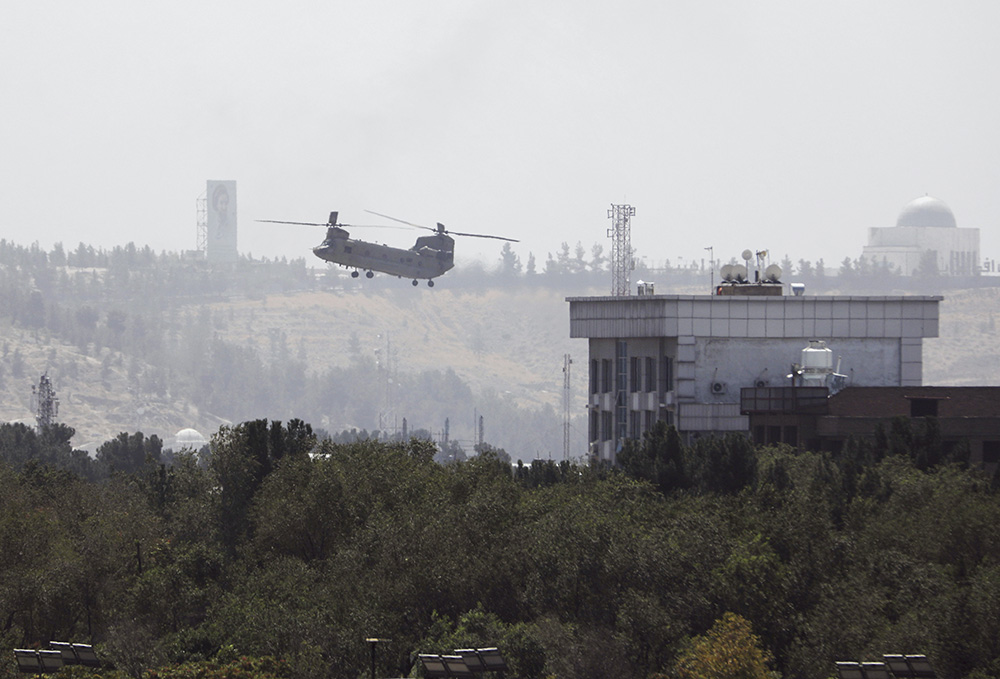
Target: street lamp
373	642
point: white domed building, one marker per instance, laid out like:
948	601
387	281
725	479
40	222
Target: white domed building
188	439
926	232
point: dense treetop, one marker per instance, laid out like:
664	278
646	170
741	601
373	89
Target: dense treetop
282	551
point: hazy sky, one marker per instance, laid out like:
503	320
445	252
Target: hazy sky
792	126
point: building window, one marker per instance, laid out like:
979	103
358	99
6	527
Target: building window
635	374
991	452
668	373
607	425
595	424
650	373
923	407
606	375
650	420
635	424
594	376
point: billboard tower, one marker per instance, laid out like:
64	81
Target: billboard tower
217	221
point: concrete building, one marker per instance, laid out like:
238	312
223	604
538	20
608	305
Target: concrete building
926	236
684	358
810	418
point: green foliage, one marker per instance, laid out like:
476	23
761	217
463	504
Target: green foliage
730	650
281	547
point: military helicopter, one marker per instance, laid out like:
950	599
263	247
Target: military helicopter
429	257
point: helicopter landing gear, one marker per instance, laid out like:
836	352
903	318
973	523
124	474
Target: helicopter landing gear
354	274
430	284
415	282
369	274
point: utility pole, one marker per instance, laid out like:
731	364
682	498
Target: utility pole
711	266
567	362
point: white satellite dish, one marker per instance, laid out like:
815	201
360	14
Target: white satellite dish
747	255
727	272
772	273
740	271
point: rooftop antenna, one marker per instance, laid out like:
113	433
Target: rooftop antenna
620	234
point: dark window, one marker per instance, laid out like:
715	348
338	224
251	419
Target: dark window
668	373
595	424
773	434
635	424
991	452
923	407
650	374
606	381
635	374
594	375
792	435
607	425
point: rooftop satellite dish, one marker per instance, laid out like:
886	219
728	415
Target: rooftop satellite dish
740	271
772	273
728	272
747	255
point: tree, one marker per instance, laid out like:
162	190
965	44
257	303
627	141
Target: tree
730	650
658	458
510	263
130	454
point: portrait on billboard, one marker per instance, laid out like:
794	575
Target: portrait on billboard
221	221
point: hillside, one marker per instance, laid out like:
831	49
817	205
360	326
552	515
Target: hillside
510	342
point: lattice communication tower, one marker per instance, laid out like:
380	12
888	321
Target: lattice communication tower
45	402
201	212
620	234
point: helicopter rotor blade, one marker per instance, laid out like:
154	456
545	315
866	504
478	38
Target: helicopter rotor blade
278	221
481	235
401	221
443	229
350	226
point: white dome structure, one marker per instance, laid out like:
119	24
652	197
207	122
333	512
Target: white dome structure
926	211
189	439
925	241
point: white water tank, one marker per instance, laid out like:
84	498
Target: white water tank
817	363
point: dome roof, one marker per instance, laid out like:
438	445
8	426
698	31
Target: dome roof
927	211
189	438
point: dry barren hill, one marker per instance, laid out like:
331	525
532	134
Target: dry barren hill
967	352
511	341
97	397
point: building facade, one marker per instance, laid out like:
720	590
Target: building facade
810	418
685	358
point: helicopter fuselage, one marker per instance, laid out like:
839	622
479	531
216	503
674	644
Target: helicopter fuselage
430	257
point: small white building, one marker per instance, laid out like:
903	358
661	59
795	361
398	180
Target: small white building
926	232
684	358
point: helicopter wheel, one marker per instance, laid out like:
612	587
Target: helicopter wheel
415	282
370	274
354	274
430	284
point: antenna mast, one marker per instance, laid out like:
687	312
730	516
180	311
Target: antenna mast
620	234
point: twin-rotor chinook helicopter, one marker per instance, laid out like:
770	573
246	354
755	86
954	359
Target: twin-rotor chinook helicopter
429	257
